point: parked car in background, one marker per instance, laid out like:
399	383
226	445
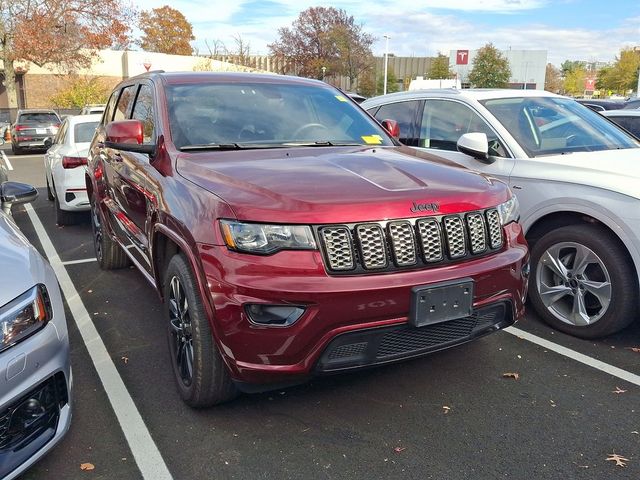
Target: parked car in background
631	104
627	119
35	373
290	235
32	128
92	109
576	176
599	105
64	164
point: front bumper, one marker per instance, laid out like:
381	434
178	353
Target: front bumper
37	368
339	308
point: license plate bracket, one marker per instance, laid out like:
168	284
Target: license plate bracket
441	302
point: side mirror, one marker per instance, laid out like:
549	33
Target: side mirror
392	127
127	135
12	193
476	145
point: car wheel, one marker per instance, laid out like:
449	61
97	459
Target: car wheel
49	192
63	217
16	150
583	283
108	253
201	376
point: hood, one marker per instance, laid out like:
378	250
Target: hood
22	266
338	184
615	170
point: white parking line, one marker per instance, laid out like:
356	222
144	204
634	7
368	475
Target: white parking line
578	357
143	448
75	262
6	160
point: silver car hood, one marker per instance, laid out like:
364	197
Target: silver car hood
615	170
21	266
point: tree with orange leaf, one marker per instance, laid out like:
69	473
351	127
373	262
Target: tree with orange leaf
166	30
60	34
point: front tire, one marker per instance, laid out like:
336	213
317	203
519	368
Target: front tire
16	150
201	376
108	253
583	282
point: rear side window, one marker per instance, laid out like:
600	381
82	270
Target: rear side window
62	133
405	113
631	124
111	106
143	110
83	132
123	107
39	117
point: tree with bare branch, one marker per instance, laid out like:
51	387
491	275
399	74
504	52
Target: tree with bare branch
61	34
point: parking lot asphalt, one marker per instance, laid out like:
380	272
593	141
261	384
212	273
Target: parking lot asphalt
451	415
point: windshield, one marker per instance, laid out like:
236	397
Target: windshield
267	115
551	125
83	132
40	117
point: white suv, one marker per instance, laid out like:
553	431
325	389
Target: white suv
576	176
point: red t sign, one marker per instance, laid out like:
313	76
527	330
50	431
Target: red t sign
462	57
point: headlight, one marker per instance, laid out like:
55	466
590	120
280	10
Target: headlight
266	239
24	316
509	211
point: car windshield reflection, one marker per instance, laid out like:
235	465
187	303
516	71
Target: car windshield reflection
551	126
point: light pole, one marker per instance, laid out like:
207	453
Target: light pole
324	70
386	64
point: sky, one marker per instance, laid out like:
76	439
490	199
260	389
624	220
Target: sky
590	30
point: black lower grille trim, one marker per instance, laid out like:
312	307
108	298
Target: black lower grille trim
382	345
22	435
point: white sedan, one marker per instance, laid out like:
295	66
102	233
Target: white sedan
64	166
576	176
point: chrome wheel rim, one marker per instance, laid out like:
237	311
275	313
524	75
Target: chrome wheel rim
97	232
180	331
573	283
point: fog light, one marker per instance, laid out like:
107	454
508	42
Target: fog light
275	315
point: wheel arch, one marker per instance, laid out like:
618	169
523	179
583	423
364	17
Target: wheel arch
554	220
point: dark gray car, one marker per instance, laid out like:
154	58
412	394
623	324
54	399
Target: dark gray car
32	128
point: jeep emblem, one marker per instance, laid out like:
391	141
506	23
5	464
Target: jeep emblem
425	207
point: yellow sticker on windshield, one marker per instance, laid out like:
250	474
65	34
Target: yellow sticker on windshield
372	139
341	98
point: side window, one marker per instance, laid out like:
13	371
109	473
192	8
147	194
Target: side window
111	106
444	122
405	113
62	133
143	110
123	107
631	124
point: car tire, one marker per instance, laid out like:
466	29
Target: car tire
201	375
16	150
109	254
64	217
582	281
49	192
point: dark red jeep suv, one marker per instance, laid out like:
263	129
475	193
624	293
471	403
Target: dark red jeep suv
290	235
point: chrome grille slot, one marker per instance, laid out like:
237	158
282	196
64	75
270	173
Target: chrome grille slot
372	246
477	232
430	239
337	242
454	233
495	229
403	243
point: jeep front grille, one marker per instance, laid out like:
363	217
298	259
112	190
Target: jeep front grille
393	245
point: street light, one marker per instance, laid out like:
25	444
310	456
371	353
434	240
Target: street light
324	69
386	63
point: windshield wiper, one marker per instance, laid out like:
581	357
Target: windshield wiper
212	146
323	143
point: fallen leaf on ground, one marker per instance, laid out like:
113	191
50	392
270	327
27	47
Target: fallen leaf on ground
634	349
89	291
399	449
125	359
87	466
618	390
619	459
446	409
513	375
